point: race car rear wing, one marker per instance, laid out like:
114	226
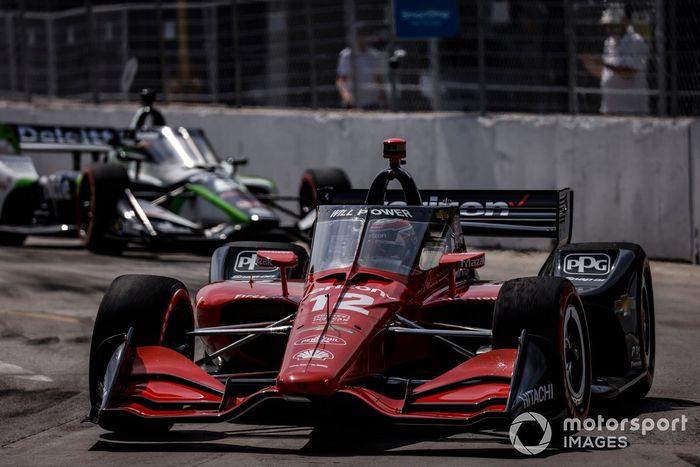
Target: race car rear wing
489	213
28	137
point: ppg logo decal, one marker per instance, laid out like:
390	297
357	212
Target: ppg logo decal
587	264
247	261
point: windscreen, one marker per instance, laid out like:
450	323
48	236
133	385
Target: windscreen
176	146
396	240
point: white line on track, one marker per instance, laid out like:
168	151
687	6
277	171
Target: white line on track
38	378
16	371
55	316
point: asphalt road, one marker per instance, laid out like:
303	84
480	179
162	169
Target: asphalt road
49	293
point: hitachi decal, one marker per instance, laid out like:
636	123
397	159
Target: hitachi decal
537	395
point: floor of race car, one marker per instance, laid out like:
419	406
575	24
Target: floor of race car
50	291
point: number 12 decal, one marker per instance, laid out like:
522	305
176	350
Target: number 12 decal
350	302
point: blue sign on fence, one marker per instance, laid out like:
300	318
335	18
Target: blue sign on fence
425	19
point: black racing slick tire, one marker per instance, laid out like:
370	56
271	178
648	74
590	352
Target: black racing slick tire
159	310
549	308
17	210
101	188
313	179
647	335
11	239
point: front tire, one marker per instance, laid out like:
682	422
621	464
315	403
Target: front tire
101	188
160	311
549	308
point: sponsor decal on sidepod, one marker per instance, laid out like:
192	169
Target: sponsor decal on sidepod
248	261
597	264
318	339
311	354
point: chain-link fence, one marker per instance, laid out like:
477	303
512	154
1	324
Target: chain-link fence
538	56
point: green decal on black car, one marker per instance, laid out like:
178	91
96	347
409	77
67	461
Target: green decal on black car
22	182
9	141
235	214
176	204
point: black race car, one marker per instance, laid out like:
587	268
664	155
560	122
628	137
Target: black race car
154	184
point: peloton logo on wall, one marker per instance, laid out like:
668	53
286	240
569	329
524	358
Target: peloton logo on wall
596	264
247	261
526	430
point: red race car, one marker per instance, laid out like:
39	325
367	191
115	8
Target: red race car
386	317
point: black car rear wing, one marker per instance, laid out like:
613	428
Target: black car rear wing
74	140
63	138
489	213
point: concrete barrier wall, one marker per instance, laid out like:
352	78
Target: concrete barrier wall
634	179
695	189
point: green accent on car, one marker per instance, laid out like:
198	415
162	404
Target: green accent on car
176	204
236	215
22	182
9	139
78	181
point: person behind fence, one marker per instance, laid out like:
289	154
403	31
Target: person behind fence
622	67
369	65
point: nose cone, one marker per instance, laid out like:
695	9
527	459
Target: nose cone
312	383
333	337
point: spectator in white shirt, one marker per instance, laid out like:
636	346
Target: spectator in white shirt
369	67
622	67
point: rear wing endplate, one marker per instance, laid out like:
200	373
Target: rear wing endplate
488	213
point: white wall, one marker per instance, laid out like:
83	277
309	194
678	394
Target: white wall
631	177
695	186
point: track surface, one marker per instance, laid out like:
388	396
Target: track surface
50	291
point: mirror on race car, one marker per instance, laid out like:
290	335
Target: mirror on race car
236	162
281	259
455	261
133	155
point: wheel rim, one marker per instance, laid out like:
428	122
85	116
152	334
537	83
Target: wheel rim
574	355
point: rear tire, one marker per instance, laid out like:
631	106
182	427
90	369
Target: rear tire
10	239
313	179
101	188
548	307
160	311
17	210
